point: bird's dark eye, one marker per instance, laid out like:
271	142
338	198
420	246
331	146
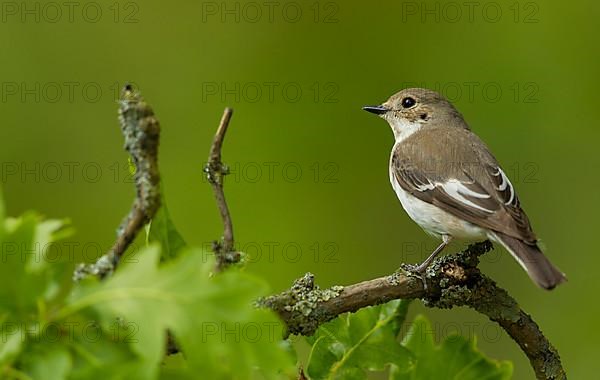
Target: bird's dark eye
408	102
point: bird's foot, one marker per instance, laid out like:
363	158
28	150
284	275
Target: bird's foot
417	271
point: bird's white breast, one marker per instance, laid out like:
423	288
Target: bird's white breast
433	219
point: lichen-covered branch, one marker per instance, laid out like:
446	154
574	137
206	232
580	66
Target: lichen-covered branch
215	172
141	131
450	281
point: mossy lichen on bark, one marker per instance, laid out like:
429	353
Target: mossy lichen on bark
300	303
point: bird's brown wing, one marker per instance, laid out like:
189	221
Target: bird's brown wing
474	189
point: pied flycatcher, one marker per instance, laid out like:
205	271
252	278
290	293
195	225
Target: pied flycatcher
452	186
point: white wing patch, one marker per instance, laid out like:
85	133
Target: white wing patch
457	190
504	185
426	187
433	219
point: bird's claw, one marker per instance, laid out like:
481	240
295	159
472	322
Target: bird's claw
416	271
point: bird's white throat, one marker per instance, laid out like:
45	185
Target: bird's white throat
403	128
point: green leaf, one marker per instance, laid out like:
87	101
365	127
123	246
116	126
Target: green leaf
32	287
419	339
352	344
161	229
11	343
35	283
175	367
103	355
212	318
47	361
457	358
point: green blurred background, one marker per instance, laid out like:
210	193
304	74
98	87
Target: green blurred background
310	188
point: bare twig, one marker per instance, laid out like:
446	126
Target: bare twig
450	281
141	131
215	172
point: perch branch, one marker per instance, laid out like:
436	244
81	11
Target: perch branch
450	281
215	173
141	131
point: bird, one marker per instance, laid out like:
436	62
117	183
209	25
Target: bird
452	186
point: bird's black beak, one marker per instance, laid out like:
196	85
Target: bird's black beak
377	110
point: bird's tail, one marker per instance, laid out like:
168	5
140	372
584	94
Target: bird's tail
531	258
